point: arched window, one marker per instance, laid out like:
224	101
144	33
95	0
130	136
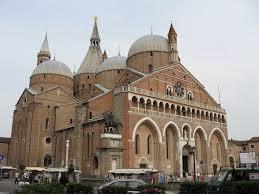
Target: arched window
47	160
167	148
137	144
148	144
47	123
90	115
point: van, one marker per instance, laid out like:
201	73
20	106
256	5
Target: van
223	181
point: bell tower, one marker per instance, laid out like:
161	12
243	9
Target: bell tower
173	53
44	53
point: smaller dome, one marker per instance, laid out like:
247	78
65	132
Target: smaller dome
116	62
53	67
149	43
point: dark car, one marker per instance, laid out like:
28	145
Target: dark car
223	181
131	184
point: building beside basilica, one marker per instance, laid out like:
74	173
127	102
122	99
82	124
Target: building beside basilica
145	110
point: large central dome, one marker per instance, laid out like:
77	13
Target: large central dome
53	67
149	43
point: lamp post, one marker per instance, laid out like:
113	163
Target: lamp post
194	170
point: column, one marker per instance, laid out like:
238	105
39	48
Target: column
67	147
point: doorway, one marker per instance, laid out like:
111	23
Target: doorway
185	165
215	169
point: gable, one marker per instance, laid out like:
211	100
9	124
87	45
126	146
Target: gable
166	78
26	97
128	77
56	95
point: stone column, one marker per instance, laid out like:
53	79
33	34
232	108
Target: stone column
67	147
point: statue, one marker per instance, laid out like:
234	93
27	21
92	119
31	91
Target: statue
185	134
110	125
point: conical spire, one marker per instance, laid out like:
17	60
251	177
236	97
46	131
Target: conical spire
95	34
172	30
45	44
94	54
44	54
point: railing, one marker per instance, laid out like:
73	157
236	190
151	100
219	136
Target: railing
166	97
174	116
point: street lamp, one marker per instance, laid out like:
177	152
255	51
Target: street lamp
193	155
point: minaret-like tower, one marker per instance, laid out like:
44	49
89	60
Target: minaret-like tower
173	53
95	38
44	54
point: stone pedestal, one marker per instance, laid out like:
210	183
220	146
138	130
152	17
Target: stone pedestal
111	152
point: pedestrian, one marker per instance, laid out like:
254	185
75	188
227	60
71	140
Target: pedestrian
63	179
16	178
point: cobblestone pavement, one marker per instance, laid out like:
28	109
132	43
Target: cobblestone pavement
7	186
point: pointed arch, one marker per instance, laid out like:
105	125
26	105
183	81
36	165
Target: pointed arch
152	122
201	128
174	124
222	135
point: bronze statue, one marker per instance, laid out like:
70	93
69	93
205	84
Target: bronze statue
110	125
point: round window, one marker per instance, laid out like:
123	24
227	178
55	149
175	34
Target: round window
48	140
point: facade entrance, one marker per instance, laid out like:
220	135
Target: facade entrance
185	165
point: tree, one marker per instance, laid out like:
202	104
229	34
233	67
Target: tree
21	167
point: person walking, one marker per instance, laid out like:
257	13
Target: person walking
16	178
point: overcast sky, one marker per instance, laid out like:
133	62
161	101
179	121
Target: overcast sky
218	42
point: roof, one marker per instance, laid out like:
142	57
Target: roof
132	171
45	44
115	62
102	88
53	67
5	139
91	60
244	142
32	91
149	43
254	139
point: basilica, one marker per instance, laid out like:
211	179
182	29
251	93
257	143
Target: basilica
143	110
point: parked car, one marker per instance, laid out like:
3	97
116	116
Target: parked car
223	181
131	185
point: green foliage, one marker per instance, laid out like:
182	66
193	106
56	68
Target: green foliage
42	189
193	188
246	188
115	190
73	187
70	169
22	167
152	189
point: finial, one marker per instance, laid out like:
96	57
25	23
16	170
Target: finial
151	30
119	51
95	19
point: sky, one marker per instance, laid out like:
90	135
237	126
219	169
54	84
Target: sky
218	41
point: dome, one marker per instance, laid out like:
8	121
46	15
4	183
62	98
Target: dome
116	62
53	67
149	43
